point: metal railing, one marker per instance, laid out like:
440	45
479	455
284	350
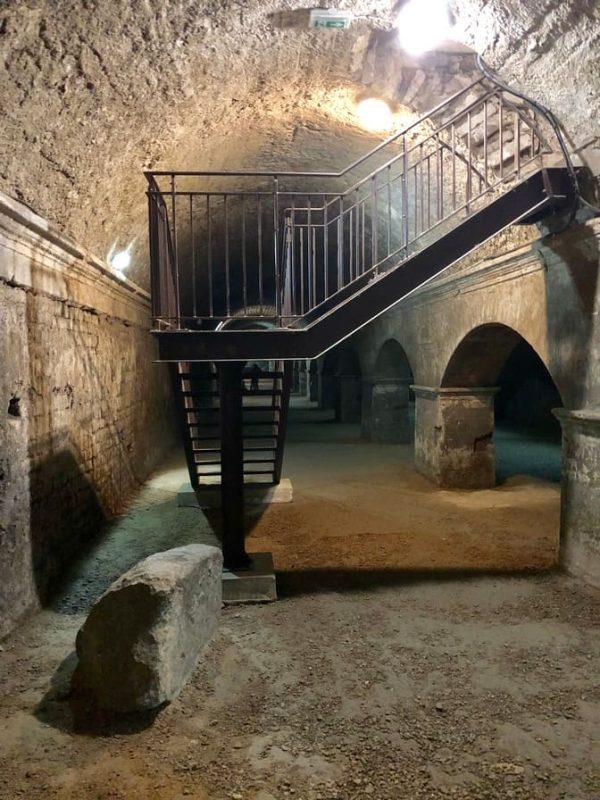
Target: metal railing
232	248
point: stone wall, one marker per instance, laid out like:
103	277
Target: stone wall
85	413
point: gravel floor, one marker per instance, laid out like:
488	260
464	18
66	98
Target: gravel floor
359	682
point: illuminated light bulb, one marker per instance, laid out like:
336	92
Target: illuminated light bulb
374	114
422	25
121	260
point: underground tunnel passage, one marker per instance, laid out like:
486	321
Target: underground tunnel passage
299	456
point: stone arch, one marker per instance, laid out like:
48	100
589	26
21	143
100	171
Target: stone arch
386	414
392	362
455	422
481	354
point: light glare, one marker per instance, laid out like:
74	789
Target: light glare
374	114
121	260
422	25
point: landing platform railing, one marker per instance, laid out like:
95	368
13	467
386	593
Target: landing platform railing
259	248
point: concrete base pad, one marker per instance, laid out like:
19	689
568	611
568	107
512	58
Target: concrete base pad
255	585
254	495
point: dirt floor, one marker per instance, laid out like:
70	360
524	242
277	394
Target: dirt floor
371	677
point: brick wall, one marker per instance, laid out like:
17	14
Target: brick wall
85	413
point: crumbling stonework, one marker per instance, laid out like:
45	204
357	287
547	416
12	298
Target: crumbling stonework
85	413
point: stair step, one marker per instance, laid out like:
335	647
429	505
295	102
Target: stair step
246	449
247	374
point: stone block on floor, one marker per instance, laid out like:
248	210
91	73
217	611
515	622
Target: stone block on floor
143	637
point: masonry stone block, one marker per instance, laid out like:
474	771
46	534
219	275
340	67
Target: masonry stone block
143	637
454	436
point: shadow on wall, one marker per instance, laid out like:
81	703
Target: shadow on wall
572	302
65	513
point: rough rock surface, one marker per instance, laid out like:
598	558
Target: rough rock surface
143	637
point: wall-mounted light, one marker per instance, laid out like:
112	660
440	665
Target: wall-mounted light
423	25
374	114
120	260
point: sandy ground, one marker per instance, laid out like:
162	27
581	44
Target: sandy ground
372	677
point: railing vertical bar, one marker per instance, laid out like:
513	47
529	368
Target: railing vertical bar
469	162
309	263
260	255
518	144
374	220
357	233
389	209
453	139
501	136
441	183
325	249
485	142
244	256
340	259
314	263
175	254
404	185
293	292
209	257
363	265
302	306
429	191
193	248
276	264
351	242
416	198
227	276
421	192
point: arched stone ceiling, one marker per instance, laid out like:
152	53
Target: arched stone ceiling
93	92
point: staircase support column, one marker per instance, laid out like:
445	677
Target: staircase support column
232	465
454	430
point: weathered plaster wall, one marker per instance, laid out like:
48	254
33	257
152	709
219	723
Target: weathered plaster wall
84	412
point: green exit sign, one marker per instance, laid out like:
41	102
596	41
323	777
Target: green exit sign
330	18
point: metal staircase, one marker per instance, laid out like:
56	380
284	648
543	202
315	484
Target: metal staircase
265	399
272	266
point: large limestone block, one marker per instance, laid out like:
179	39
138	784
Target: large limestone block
143	637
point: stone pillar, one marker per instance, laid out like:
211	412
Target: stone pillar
313	383
580	493
453	436
349	398
302	379
365	416
388	418
327	390
296	378
307	379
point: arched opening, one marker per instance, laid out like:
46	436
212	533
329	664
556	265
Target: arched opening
526	436
388	405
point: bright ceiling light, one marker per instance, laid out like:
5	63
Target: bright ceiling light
120	260
374	114
422	25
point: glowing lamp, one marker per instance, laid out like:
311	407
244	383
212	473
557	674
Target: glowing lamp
422	25
374	114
